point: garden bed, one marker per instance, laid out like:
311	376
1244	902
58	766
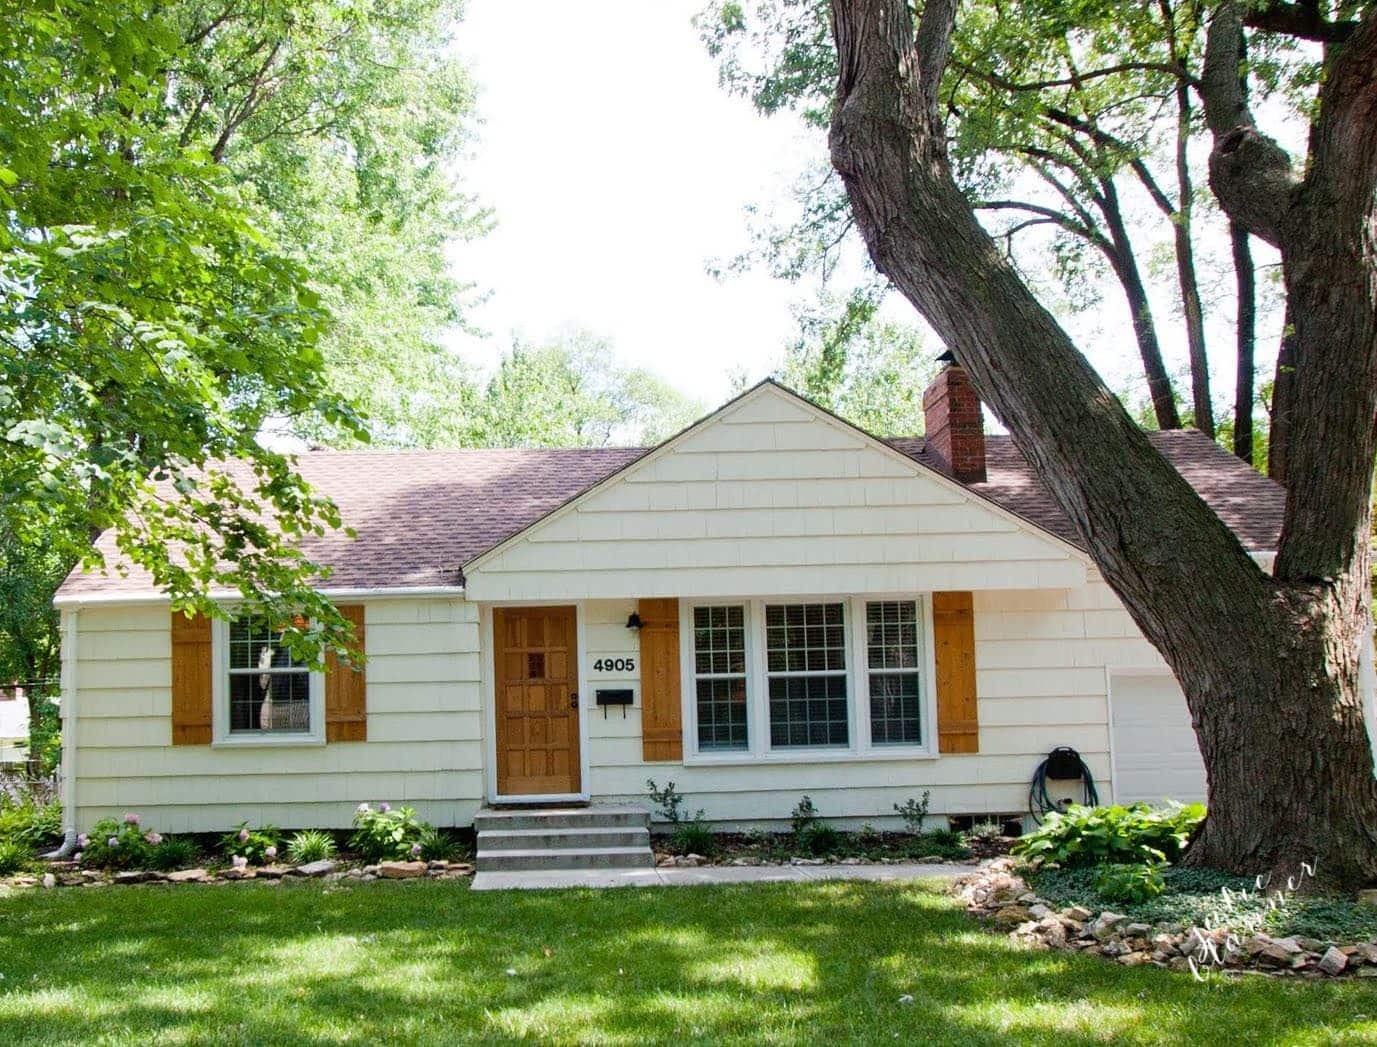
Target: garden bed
840	848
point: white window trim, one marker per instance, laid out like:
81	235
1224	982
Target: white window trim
758	750
222	737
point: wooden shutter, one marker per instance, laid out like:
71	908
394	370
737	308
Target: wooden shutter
662	732
346	689
953	630
191	685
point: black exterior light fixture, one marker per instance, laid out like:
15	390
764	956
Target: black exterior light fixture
633	620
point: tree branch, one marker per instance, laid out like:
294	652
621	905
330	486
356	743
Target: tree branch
1300	20
1249	172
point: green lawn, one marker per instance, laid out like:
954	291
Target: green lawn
428	961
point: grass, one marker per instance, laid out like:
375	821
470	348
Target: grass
429	961
1193	895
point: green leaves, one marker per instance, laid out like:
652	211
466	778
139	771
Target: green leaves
1085	836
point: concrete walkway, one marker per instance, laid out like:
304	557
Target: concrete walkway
704	874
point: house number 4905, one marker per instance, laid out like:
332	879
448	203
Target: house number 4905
614	665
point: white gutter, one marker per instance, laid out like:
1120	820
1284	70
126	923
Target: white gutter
76	601
68	711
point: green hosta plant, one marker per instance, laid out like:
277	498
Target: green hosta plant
174	852
254	846
1085	836
122	843
387	834
311	845
29	821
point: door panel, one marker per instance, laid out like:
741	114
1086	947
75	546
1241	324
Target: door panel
536	667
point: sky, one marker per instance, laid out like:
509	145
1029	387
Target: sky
618	170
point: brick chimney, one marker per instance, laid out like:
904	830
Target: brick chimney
955	428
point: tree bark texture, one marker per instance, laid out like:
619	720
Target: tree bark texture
1283	394
1268	665
1202	408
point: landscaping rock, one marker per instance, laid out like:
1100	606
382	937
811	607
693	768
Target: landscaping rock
1106	924
1079	913
135	876
1039	911
1134	959
1138	930
187	876
401	870
1333	962
805	861
930	859
320	868
274	872
71	879
1368	897
49	881
1011	916
1273	955
1053	932
238	874
1291	945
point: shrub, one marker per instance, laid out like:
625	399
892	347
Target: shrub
694	837
804	815
256	846
670	801
312	845
914	812
818	838
174	852
1133	884
387	834
945	843
1085	836
14	855
117	844
436	846
30	821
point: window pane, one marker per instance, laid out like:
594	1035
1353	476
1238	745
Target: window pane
719	640
805	638
894	705
271	702
722	714
892	634
253	644
807	710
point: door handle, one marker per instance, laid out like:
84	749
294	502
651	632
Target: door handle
574	700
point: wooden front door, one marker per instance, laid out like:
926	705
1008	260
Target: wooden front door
536	672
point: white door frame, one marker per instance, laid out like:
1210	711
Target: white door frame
487	670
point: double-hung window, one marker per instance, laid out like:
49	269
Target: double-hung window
896	697
719	666
834	677
264	693
805	669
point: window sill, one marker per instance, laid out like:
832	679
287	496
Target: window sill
808	756
280	741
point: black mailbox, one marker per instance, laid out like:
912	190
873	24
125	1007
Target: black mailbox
615	696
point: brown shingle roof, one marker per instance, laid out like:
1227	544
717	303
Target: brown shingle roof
421	515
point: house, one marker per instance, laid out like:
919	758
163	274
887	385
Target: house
14	726
770	603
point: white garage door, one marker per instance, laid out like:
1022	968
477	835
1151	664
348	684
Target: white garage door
1155	753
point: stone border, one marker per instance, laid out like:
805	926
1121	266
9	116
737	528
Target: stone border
997	893
68	874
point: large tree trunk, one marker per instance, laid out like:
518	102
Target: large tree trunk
1269	666
1245	340
1283	397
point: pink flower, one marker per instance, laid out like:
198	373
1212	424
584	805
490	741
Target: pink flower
153	838
270	851
239	862
114	841
363	808
131	819
243	836
77	857
415	850
83	840
384	807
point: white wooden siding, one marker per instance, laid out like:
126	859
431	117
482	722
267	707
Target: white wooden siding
773	496
425	735
1041	681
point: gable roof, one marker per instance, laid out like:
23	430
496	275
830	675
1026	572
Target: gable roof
421	516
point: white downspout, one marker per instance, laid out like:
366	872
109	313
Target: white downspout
1367	686
68	711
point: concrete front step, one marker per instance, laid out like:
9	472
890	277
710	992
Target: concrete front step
603	817
582	858
550	839
562	839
